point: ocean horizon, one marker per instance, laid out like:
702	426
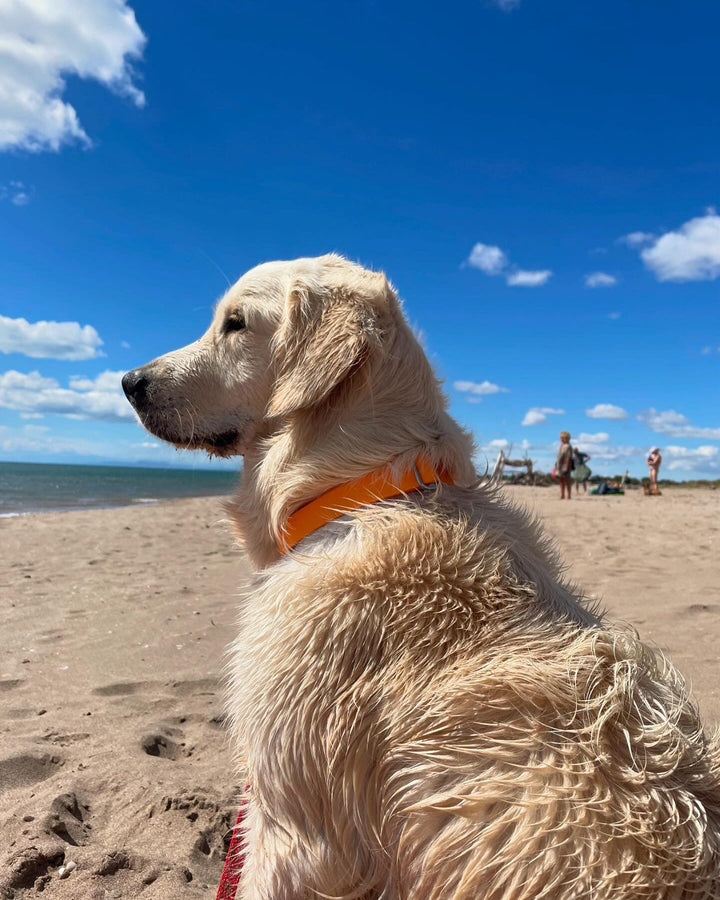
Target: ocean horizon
57	487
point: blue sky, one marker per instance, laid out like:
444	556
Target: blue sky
539	180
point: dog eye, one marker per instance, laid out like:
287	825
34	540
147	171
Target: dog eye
236	322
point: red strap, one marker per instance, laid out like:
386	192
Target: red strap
234	860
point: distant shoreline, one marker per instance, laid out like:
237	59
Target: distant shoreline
32	488
216	471
145	464
142	501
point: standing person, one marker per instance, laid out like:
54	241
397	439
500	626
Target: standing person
654	461
564	464
582	472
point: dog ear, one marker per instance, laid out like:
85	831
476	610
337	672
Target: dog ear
327	333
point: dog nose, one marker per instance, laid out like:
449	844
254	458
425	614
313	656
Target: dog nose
135	384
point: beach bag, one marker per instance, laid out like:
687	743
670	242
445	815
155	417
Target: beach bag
554	473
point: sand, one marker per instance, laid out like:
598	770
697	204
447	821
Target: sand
113	751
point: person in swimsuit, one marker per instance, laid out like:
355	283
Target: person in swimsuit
654	460
564	464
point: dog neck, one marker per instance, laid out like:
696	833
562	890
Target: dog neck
389	416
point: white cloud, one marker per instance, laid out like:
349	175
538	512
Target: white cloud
33	441
606	411
507	5
38	439
493	261
476	390
662	421
691	253
41	43
125	345
698	459
49	340
600	446
600	279
16	192
489	259
19	439
98	398
637	238
107	381
614	316
706	452
675	424
525	278
537	415
600	437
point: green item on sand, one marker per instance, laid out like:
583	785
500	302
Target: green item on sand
581	473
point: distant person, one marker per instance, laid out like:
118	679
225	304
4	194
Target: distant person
564	465
581	472
654	461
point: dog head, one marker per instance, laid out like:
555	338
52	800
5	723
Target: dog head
285	338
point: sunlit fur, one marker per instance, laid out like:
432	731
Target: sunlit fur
423	707
426	712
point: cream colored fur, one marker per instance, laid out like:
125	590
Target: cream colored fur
425	710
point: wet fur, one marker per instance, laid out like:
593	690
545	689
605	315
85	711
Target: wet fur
426	712
424	708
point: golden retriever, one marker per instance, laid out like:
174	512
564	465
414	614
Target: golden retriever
424	708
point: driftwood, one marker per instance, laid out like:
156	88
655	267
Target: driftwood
503	461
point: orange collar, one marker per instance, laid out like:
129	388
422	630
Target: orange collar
355	494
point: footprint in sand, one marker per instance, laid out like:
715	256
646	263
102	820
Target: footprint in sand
30	868
220	721
119	862
9	684
166	743
113	862
120	689
54	634
212	820
67	819
25	712
202	686
64	740
701	607
20	771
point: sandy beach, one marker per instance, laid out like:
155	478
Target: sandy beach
113	753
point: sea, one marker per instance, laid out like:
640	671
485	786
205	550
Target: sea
41	487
